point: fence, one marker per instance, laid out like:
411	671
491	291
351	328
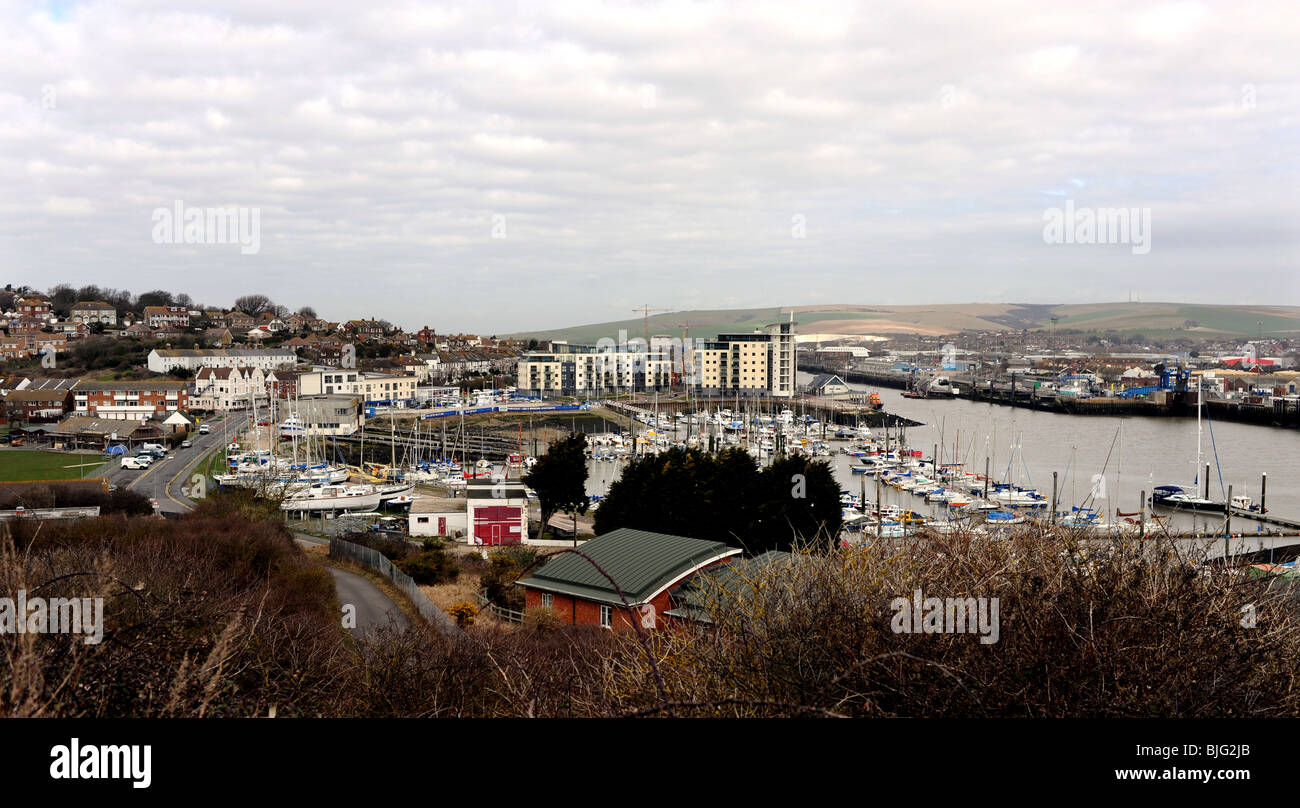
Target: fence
500	611
375	560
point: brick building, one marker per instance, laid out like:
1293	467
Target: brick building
648	567
132	401
37	406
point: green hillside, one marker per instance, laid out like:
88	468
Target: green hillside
1153	319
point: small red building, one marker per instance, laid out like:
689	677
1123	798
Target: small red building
496	512
648	569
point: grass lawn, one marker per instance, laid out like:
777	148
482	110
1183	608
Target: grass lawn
19	465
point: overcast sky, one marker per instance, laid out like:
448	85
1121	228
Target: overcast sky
492	167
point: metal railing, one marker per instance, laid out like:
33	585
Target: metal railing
377	561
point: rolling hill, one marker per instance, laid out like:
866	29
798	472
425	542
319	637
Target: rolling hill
1152	319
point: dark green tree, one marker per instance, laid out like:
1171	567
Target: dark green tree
726	498
560	479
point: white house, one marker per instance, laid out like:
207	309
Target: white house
228	388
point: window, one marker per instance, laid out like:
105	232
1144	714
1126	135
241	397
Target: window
606	616
547	600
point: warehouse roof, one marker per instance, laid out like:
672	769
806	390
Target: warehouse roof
642	563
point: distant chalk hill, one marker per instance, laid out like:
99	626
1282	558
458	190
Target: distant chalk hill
1156	320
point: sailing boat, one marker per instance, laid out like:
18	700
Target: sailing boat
1178	497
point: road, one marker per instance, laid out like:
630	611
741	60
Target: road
373	609
164	480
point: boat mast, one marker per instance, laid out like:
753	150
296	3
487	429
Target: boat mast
1196	472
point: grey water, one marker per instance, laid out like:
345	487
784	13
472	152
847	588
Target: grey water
1134	454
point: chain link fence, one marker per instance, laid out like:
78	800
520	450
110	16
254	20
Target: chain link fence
375	560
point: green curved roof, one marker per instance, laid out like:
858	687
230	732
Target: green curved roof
641	562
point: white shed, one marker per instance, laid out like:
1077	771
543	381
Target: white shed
438	516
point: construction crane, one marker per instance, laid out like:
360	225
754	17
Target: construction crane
645	310
688	360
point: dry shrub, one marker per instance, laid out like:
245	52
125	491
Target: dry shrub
208	615
490	674
1087	628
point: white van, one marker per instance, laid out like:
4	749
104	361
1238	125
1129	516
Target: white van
153	448
137	462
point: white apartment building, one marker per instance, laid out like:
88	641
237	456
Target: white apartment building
568	370
191	359
325	415
368	386
228	388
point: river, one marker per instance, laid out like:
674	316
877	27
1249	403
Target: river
1132	454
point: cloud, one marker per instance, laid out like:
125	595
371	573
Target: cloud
649	152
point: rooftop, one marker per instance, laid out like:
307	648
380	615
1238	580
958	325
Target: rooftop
642	563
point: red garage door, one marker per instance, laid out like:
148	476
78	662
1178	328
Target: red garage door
497	524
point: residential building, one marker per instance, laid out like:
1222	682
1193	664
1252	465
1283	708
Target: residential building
283	383
130	401
372	387
569	370
222	389
32	311
761	363
160	316
218	338
164	360
327	415
93	311
40	406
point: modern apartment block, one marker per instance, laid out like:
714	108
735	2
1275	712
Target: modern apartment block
370	386
757	364
571	370
761	363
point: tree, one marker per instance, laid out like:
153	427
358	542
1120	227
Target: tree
61	299
253	305
157	297
688	492
308	312
560	479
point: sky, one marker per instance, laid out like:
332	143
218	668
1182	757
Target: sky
496	167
